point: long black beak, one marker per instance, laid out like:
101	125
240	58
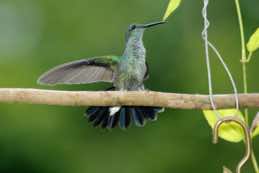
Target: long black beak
151	24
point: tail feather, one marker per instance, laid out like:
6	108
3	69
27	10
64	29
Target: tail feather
122	114
100	116
128	117
150	112
111	121
138	117
93	116
105	121
91	111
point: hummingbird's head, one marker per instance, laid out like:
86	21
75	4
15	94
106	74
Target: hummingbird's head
137	30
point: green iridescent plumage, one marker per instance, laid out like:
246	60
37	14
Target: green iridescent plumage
126	73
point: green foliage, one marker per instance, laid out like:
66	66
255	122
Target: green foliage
256	131
255	126
231	132
172	6
253	43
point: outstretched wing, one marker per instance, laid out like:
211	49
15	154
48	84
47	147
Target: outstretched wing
98	69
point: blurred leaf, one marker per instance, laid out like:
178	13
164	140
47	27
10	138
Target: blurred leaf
256	132
255	126
253	43
172	6
231	131
226	170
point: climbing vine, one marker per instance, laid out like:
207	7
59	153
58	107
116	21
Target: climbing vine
230	124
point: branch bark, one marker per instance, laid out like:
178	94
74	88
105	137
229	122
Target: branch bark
116	98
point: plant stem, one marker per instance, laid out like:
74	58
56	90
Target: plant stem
254	162
244	60
245	88
243	51
241	26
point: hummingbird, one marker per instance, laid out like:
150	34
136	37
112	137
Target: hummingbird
126	73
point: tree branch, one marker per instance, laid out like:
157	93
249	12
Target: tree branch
116	98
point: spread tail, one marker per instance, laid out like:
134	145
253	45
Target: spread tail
111	117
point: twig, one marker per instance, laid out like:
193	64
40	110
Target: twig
114	98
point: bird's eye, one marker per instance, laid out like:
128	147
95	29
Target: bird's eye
132	27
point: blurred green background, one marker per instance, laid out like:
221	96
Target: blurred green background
36	35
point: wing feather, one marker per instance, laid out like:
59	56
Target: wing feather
100	69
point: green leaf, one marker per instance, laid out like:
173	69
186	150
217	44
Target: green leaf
256	132
232	131
253	43
255	126
172	6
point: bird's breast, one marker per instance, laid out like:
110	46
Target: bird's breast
131	72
